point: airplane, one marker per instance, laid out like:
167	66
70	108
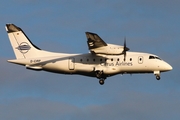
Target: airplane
103	60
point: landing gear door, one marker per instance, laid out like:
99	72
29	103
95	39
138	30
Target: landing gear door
71	63
140	59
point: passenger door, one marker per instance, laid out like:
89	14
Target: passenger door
71	63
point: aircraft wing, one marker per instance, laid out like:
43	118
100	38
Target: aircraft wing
98	46
94	41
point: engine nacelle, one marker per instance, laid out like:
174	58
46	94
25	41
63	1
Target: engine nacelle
110	49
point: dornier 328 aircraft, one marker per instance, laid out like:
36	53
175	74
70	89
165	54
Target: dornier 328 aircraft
104	60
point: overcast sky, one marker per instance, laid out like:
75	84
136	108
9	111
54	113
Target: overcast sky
151	26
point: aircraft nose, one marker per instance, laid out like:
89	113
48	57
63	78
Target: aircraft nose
168	67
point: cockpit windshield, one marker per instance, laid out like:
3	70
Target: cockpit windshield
154	57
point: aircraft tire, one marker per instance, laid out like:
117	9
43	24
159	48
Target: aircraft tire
101	82
158	77
99	74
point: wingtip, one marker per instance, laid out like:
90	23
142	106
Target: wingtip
12	28
6	27
91	33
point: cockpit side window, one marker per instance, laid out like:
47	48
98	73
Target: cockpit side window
157	58
154	57
151	57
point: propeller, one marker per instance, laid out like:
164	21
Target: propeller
125	49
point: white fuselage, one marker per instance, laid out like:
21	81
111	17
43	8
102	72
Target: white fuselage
87	64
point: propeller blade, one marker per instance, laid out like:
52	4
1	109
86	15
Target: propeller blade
125	49
125	56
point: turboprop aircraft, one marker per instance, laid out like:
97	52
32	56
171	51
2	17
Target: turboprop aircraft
103	60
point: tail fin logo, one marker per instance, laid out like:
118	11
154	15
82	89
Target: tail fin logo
23	47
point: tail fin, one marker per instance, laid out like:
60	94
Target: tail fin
22	46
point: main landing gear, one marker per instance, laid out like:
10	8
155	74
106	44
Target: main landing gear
99	75
101	81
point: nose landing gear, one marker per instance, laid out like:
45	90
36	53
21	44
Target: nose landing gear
157	74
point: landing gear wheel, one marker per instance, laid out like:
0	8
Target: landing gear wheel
99	74
158	77
101	82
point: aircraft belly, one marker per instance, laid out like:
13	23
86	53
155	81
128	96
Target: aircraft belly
63	67
57	67
136	68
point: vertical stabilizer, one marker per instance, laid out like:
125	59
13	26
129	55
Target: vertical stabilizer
22	46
